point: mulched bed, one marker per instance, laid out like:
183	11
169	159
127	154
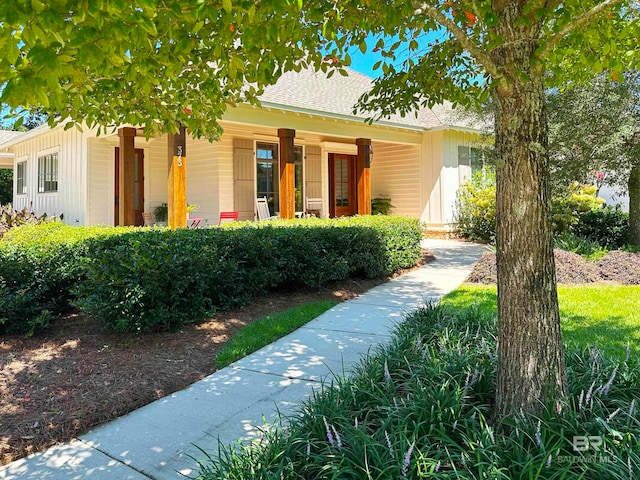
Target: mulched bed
620	267
74	375
617	267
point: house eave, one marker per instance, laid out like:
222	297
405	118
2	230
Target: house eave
456	127
338	116
27	135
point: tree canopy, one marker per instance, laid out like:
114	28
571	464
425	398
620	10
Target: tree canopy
154	63
595	128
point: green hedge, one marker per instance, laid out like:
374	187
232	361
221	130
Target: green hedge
39	264
154	280
148	279
607	226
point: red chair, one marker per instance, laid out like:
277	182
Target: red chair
228	216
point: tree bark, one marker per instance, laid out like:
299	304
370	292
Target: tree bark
531	368
634	204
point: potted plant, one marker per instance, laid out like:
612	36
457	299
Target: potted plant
161	212
381	206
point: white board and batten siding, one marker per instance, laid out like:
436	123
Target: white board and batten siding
70	199
453	173
396	174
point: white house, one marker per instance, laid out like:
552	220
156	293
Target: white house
417	161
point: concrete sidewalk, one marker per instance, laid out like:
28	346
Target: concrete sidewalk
158	441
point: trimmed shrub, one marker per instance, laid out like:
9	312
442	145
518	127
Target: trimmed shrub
158	280
476	211
608	226
476	208
39	264
568	208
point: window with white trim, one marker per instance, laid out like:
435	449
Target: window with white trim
48	173
21	178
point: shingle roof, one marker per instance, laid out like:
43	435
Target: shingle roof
6	135
313	91
448	116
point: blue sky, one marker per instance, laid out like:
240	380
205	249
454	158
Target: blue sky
363	62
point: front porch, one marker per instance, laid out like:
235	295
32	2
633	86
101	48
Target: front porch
280	171
249	162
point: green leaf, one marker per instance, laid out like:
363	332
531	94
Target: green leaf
363	46
226	5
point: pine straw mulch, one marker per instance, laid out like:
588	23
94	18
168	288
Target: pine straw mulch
616	267
74	375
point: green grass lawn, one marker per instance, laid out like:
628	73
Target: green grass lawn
608	316
268	329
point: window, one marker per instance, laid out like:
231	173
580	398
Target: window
477	161
463	155
48	173
21	178
268	174
471	157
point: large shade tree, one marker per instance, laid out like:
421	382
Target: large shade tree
158	63
594	131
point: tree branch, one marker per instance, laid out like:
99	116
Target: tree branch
578	22
482	58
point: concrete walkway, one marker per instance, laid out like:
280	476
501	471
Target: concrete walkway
158	441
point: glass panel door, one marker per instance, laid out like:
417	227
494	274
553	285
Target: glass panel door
342	170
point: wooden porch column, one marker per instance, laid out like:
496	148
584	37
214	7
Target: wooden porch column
126	197
177	181
287	173
363	175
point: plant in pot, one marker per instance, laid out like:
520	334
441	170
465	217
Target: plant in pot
381	206
161	213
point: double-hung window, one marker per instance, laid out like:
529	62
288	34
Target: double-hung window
48	173
21	178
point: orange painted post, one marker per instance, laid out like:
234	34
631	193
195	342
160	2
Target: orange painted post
177	181
363	175
287	173
127	214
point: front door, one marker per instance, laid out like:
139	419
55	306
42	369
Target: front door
342	185
138	186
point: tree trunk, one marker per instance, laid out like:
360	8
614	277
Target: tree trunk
531	369
634	205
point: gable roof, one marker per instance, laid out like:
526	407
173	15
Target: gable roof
313	92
